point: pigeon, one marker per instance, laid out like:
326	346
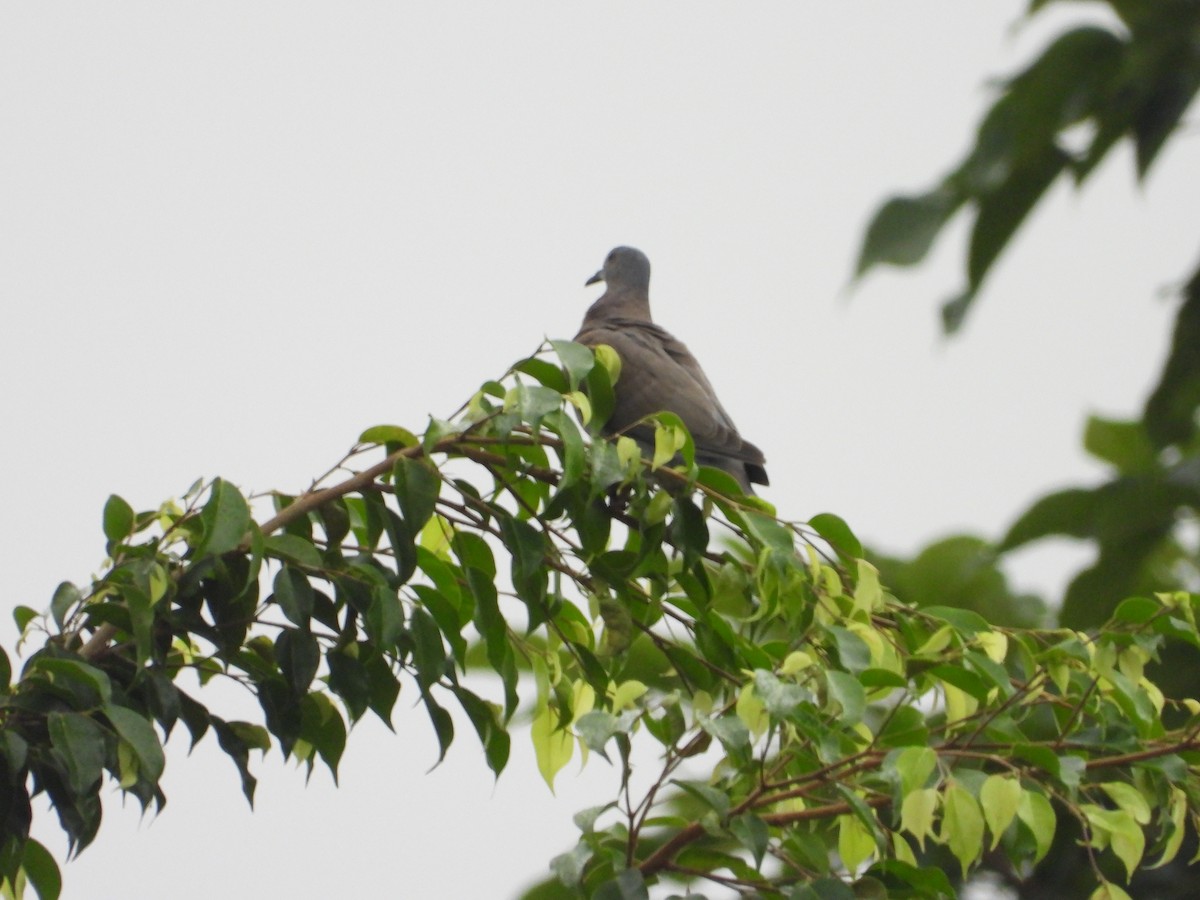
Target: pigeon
658	374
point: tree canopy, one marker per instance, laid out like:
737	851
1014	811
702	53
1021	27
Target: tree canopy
821	721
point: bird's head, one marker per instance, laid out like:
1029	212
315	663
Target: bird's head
624	267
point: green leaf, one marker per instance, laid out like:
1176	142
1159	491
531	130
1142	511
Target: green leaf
87	682
136	731
1170	413
385	618
1070	512
1038	815
917	813
1130	799
1001	212
904	229
597	726
321	725
532	401
546	372
838	534
1123	444
388	434
41	870
845	690
294	549
577	359
855	844
66	595
118	519
299	656
79	741
224	519
568	867
1000	797
23	615
716	800
914	766
962	826
429	654
753	834
417	484
443	725
294	594
853	653
629	885
1123	834
552	746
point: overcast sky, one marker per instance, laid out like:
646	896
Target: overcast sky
233	235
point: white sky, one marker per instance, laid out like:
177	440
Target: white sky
234	235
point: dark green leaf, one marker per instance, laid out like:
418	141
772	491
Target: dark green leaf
118	519
23	615
904	229
384	620
322	726
417	484
853	653
546	372
443	725
299	655
629	885
80	743
41	870
753	834
139	734
66	595
293	549
225	518
1002	211
237	750
1170	414
1123	444
89	684
429	655
294	594
846	690
964	621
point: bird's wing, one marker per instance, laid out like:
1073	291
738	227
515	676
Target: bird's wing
659	374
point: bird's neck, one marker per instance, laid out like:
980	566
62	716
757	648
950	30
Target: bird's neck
627	303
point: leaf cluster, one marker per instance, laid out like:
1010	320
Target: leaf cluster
810	731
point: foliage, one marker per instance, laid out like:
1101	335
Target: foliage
1061	115
808	731
1090	88
813	734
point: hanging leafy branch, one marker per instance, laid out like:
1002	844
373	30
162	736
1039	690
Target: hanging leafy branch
1093	86
811	731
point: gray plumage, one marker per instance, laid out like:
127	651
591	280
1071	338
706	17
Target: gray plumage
658	374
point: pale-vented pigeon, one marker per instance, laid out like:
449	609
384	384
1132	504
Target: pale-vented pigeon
658	374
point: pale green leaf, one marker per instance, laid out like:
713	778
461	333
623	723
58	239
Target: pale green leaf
1000	796
915	765
917	812
1128	798
962	826
553	746
856	844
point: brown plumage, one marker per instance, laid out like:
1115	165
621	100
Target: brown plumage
658	374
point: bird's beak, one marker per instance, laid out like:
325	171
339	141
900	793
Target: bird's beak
599	276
